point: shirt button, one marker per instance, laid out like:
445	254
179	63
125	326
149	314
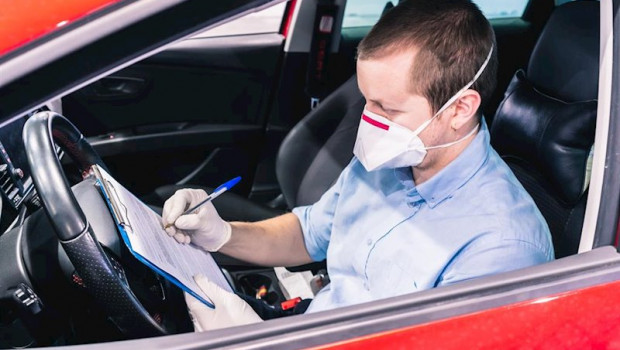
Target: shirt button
366	286
369	241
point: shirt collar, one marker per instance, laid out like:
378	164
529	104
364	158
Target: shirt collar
454	175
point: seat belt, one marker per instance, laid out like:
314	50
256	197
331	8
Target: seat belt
322	35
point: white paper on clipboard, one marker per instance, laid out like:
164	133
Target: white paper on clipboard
143	233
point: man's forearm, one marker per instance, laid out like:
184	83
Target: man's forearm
273	242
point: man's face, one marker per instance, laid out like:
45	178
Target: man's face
386	85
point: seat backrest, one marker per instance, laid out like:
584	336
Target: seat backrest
320	146
544	127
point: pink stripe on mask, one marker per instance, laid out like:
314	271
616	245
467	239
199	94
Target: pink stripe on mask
375	123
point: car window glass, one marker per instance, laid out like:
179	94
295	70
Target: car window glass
363	13
502	9
265	21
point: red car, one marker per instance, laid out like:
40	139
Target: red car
178	93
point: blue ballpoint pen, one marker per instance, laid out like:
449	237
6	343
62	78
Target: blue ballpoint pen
218	191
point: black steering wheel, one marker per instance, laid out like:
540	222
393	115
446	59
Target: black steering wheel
101	277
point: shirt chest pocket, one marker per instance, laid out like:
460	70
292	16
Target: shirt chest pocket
390	278
401	262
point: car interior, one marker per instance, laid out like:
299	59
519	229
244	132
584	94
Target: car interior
207	109
543	128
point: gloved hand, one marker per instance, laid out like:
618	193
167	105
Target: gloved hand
204	226
230	310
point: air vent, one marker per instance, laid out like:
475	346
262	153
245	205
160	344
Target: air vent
6	183
8	187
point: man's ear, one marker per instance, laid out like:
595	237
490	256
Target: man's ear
465	109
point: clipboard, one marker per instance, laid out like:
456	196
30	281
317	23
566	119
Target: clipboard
137	232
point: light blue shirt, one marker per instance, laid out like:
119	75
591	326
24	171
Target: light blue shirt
383	236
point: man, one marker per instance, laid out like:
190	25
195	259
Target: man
425	202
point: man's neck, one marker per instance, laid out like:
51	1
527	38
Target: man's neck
439	160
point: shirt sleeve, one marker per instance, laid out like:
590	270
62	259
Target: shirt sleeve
483	258
316	219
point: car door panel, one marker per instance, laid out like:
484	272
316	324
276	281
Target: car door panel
479	311
206	154
193	113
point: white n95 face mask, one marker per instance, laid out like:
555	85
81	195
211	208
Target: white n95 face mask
383	144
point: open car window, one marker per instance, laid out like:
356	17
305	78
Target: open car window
363	13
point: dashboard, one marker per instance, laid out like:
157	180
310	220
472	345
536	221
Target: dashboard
15	180
17	190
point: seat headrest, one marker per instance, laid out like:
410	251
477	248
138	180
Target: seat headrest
565	65
547	133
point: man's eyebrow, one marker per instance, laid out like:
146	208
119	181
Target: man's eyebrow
384	105
375	101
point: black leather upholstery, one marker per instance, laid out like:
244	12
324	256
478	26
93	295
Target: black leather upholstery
553	136
544	127
564	62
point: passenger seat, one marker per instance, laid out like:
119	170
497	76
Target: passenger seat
544	127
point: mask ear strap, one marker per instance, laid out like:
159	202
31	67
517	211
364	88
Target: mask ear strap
471	82
424	125
457	141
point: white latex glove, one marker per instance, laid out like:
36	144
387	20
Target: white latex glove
204	226
230	310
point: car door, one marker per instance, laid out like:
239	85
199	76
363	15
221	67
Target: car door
193	113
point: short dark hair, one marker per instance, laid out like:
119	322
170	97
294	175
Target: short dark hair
453	39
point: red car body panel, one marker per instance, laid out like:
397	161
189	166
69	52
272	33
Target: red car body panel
586	318
22	21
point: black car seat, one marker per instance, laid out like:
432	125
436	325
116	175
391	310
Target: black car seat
309	160
544	127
